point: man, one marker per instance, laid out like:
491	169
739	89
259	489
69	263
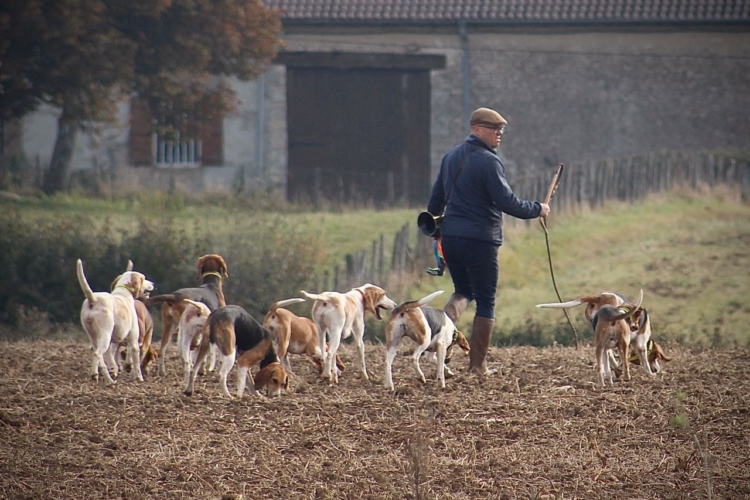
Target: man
473	189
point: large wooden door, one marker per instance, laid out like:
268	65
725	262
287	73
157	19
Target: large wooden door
358	134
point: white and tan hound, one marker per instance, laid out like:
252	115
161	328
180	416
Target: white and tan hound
145	331
110	319
190	334
341	314
429	327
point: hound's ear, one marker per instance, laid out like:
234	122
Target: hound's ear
286	381
224	270
341	366
371	298
138	281
660	353
262	378
200	265
114	283
462	342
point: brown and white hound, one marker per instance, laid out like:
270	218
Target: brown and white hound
429	327
341	314
212	270
612	331
235	333
639	323
295	334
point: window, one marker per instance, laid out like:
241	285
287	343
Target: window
150	149
176	152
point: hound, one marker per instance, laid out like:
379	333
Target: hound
640	323
341	314
212	271
429	327
295	334
190	333
110	319
655	354
611	331
234	332
145	330
458	340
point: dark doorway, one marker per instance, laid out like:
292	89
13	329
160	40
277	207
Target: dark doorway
359	133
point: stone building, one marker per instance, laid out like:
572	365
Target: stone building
369	95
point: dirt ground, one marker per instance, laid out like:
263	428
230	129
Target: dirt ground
540	429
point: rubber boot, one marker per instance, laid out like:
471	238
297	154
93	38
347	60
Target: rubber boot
481	334
455	306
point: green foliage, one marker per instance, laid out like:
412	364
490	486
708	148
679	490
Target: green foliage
534	331
37	262
83	56
269	262
685	250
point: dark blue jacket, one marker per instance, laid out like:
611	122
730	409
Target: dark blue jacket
479	196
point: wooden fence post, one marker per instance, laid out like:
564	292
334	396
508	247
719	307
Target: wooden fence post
381	259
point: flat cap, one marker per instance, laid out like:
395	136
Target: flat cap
487	116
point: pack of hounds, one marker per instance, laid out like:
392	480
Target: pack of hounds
207	329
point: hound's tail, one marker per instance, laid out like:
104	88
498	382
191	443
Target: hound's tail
203	308
172	298
426	300
412	304
562	305
313	296
628	308
284	303
87	291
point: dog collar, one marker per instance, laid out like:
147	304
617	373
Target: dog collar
213	273
649	350
364	299
455	336
126	287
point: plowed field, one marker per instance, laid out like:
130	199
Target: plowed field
539	429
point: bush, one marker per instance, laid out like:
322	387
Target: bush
541	334
38	262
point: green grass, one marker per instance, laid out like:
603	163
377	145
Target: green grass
689	252
338	233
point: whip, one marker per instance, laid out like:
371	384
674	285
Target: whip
543	221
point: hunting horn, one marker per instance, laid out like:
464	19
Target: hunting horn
429	223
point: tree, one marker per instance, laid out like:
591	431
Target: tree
89	54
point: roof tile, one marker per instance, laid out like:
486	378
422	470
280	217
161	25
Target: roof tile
506	11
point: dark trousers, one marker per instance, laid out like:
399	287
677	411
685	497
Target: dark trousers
474	271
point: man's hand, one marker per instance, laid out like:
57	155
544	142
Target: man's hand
545	210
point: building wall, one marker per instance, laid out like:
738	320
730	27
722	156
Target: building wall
569	95
577	95
107	149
